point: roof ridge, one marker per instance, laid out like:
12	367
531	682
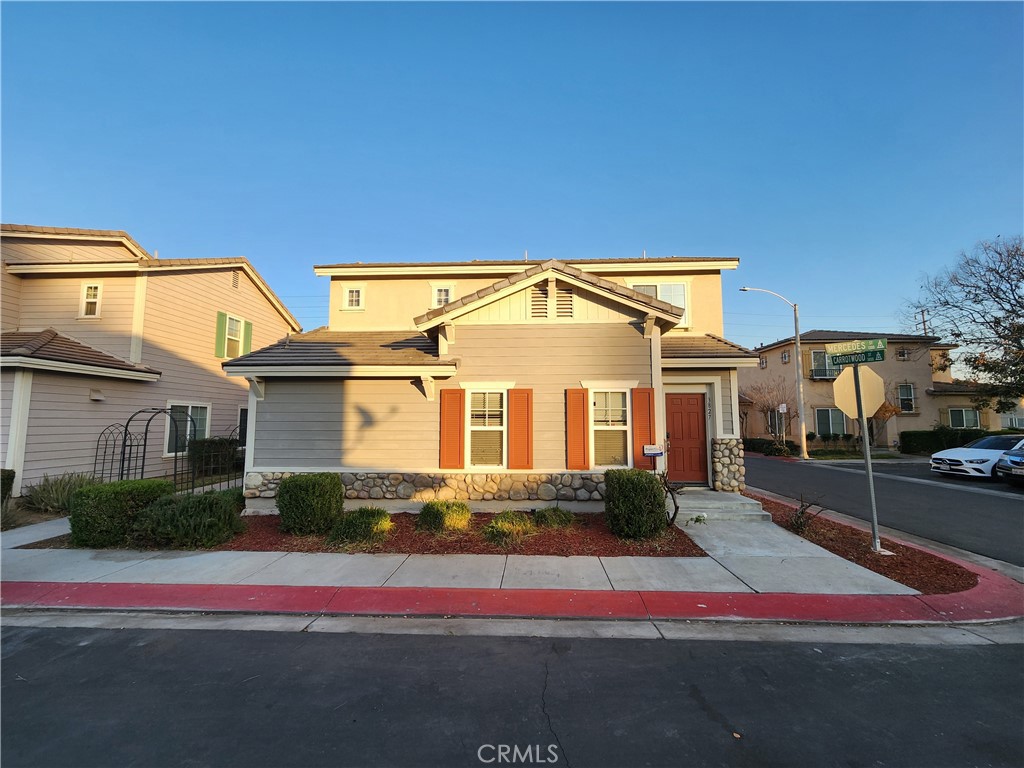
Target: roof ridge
41	339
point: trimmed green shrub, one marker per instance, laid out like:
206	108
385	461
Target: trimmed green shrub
812	436
104	515
52	495
440	516
6	483
188	522
553	517
634	503
235	497
509	527
309	504
363	524
931	441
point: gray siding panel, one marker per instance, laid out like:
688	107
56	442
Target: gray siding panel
6	392
389	424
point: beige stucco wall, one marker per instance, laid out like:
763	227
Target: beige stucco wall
818	393
10	300
391	303
54	302
180	335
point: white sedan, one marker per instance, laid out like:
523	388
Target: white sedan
977	458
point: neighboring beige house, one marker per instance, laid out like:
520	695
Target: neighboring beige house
94	328
919	395
502	379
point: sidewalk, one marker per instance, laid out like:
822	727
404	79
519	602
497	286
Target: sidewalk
755	571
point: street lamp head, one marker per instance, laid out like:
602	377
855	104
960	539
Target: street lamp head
744	288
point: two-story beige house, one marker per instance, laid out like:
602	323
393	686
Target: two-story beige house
920	390
502	380
94	328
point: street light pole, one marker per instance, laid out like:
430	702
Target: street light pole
799	367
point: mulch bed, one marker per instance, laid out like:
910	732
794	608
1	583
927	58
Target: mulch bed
927	573
588	535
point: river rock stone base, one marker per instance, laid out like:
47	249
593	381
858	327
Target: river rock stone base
427	487
727	464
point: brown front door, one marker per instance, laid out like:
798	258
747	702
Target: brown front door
687	439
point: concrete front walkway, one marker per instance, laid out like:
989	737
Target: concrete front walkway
744	557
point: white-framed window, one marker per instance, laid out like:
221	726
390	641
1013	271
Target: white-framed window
233	336
821	366
908	401
1012	420
785	356
441	294
775	422
92	296
485	433
674	293
964	418
829	421
191	419
610	428
903	354
353	297
762	362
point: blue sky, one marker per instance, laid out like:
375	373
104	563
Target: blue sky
839	150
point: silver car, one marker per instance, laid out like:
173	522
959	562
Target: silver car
1010	467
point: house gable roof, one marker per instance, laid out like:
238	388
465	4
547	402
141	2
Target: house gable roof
644	265
49	350
708	345
145	263
535	274
73	233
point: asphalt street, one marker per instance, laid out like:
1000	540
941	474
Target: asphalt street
982	517
99	697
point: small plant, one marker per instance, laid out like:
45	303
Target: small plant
12	515
509	527
812	436
104	515
634	504
847	438
6	483
701	519
310	504
553	517
188	522
672	493
441	516
52	495
801	519
363	524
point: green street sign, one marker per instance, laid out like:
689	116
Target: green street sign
857	351
874	356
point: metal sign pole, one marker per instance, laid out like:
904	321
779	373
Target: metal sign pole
876	545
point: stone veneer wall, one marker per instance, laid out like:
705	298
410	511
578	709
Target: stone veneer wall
425	486
727	464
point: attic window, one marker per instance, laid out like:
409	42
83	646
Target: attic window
563	302
539	301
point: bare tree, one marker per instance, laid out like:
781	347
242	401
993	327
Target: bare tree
978	303
766	397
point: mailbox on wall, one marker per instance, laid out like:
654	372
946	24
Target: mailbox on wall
653	450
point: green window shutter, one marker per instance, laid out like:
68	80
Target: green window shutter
221	346
247	338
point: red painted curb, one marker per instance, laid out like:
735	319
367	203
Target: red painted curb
994	598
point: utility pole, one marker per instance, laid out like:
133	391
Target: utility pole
924	323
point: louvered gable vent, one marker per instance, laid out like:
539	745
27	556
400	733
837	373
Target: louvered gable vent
539	301
563	301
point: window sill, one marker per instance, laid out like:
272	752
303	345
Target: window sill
89	317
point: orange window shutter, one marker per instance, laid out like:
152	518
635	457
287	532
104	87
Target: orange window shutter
577	436
643	426
453	407
520	429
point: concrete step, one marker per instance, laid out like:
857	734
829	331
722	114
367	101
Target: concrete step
719	506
